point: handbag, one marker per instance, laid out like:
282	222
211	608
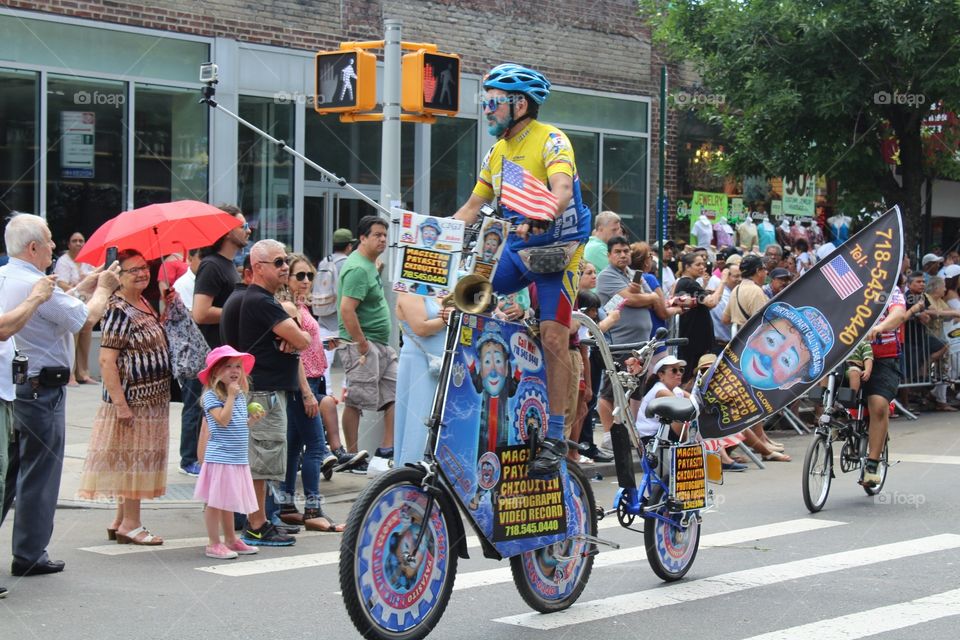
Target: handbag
434	362
188	348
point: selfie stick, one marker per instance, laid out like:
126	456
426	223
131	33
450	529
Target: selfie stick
209	93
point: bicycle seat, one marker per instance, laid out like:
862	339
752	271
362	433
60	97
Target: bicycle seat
672	409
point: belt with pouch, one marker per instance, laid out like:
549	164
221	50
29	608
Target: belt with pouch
50	377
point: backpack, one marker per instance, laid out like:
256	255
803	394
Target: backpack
325	287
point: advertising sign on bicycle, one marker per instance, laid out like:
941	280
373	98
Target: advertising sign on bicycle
688	477
806	331
429	253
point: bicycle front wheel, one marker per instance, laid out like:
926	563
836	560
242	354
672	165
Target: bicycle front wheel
817	473
392	590
552	578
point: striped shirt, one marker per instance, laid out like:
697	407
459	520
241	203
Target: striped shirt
889	344
46	338
227	445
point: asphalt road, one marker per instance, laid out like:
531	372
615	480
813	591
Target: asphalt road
883	567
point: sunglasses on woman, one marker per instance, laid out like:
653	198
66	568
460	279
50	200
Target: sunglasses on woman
302	275
675	370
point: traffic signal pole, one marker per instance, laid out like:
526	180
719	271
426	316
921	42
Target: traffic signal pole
390	149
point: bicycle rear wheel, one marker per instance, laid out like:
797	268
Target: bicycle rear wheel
817	473
552	578
671	549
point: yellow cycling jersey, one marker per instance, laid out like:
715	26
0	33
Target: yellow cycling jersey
541	149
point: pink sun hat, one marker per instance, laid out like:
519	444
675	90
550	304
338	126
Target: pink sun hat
218	354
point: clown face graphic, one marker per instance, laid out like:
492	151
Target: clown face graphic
775	355
493	368
491	242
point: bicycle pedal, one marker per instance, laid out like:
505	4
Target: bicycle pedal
595	541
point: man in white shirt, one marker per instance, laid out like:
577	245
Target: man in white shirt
69	273
184	284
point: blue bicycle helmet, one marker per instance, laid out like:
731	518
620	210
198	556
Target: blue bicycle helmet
514	78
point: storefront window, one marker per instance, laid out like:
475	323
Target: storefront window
586	152
264	172
18	143
625	181
453	164
351	150
601	112
170	146
86	133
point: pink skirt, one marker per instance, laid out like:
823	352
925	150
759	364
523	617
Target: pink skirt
226	486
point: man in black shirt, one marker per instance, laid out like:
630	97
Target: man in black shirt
215	279
275	339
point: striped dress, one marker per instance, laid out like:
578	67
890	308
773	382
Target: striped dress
130	460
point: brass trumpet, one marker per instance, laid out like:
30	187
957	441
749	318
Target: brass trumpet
472	294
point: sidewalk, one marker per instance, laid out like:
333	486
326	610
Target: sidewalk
82	404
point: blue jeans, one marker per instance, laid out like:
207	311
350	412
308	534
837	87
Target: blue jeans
307	436
190	389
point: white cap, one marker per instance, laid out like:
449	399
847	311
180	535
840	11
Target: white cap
667	361
824	250
930	257
951	271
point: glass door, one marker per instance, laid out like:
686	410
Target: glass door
327	207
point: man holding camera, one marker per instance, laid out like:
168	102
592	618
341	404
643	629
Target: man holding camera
36	451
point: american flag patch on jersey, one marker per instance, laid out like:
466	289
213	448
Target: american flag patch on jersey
842	278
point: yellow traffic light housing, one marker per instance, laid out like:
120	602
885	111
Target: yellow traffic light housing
431	83
346	81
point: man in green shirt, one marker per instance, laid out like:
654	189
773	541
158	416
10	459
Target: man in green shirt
607	226
370	365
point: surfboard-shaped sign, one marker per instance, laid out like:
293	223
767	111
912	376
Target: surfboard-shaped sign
804	332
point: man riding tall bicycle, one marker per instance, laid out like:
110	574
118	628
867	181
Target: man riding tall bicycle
511	103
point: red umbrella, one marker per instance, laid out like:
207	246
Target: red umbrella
158	230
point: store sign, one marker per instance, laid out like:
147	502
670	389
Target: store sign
77	145
800	196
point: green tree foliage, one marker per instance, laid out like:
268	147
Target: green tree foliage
817	86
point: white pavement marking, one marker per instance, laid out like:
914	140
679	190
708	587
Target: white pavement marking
925	459
874	621
732	582
634	554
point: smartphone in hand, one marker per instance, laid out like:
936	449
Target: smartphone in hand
638	276
111	256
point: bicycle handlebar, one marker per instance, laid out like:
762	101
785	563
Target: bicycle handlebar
676	342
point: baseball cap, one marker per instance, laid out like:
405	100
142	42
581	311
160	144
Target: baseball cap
668	361
951	271
930	257
780	272
824	250
343	236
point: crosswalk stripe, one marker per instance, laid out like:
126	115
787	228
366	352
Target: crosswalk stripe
732	582
875	621
633	554
925	459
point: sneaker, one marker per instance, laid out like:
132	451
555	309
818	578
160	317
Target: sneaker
220	551
384	453
594	453
241	548
3	592
871	474
327	465
192	469
549	456
266	536
347	460
734	466
284	527
359	469
379	464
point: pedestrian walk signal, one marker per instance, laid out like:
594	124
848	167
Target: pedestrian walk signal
431	83
346	81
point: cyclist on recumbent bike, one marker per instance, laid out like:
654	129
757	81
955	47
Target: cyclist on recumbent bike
512	99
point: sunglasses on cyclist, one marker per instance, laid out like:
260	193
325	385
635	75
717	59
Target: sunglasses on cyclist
277	262
303	275
492	104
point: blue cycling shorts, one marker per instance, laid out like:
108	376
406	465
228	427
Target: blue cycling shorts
556	292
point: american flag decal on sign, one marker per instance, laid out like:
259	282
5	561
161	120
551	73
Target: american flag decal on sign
842	278
522	192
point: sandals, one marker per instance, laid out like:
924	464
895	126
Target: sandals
315	520
111	534
777	456
290	515
148	540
